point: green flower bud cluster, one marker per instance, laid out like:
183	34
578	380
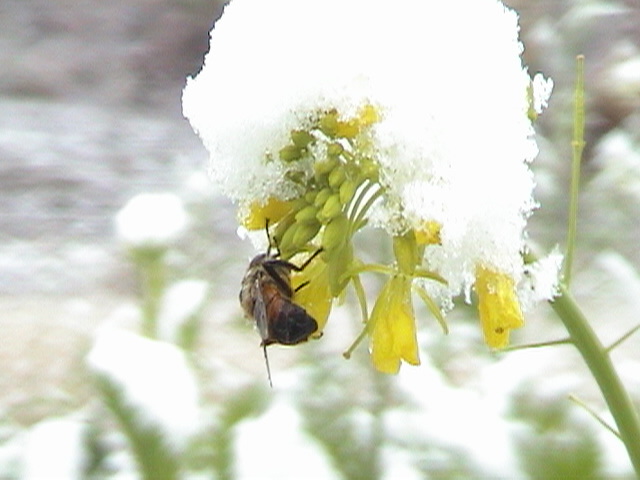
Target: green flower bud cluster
338	173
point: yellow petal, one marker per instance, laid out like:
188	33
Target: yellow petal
428	233
315	296
393	337
498	306
368	115
255	215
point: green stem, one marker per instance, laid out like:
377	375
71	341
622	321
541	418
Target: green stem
577	145
599	362
151	264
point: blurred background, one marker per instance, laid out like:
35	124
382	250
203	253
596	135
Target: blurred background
90	117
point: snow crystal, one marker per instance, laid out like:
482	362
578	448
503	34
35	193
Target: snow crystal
151	220
155	378
542	88
540	281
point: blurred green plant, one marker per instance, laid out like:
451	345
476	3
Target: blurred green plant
156	459
552	443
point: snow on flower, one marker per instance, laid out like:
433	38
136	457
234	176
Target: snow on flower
412	114
151	220
155	379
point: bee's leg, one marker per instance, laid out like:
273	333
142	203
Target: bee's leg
301	286
266	229
272	242
306	262
284	263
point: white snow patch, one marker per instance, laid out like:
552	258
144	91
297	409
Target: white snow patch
155	378
54	450
180	303
151	220
275	446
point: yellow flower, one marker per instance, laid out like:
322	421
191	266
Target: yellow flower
498	305
315	296
255	215
368	115
393	335
428	233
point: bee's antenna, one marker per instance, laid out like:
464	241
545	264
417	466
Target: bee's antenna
266	362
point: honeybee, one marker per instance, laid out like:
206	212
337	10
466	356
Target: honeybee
266	297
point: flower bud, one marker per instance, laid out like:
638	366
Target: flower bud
304	232
301	138
331	208
329	124
334	149
324	167
347	129
307	214
336	177
290	153
310	196
347	189
286	243
322	197
335	233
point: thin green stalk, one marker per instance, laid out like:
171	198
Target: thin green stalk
597	359
362	298
152	271
360	196
357	222
623	338
594	414
433	308
528	346
577	145
363	334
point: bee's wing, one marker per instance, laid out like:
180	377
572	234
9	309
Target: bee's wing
260	312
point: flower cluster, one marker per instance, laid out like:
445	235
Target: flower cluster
322	116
